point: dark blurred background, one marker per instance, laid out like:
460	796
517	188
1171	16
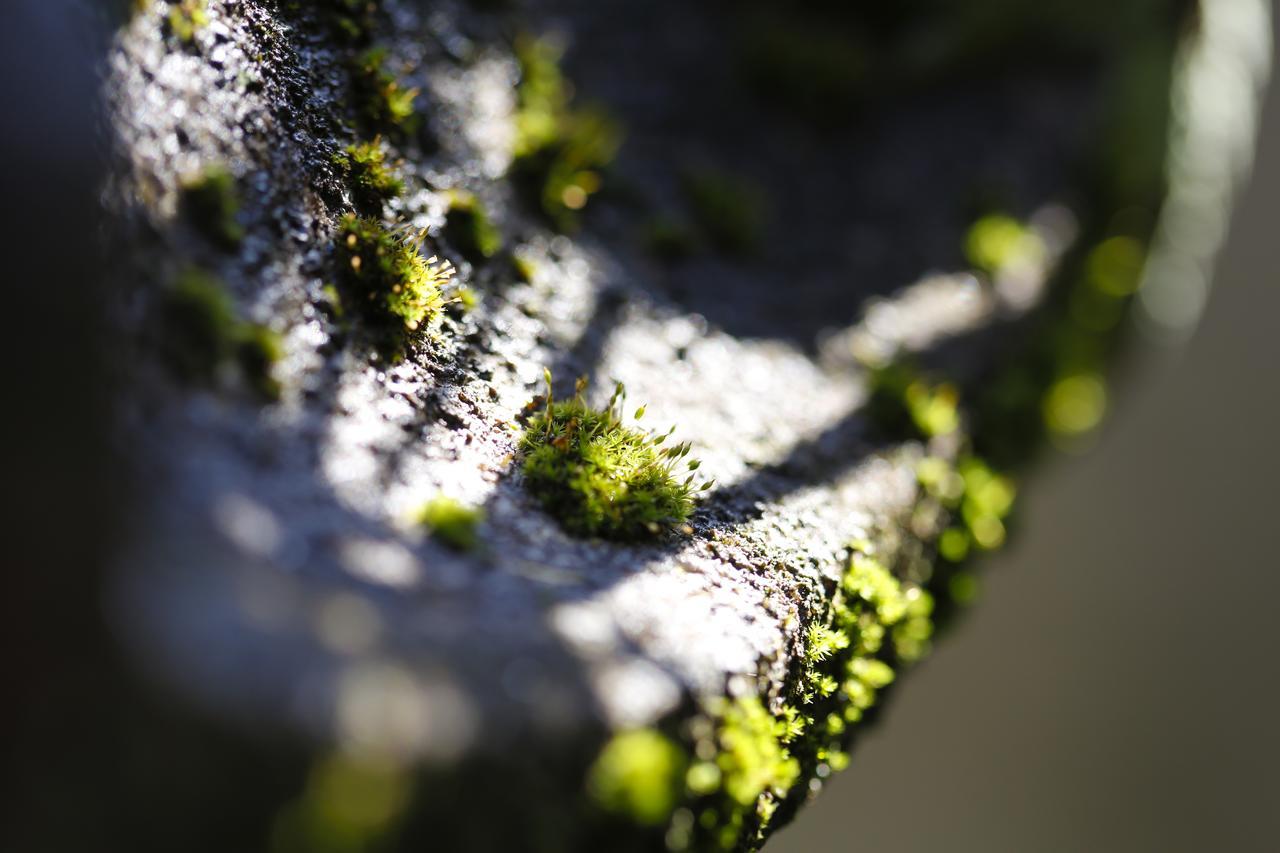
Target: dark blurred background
1116	686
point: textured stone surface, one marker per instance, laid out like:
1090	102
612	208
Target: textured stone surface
274	572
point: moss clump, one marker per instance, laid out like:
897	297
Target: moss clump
384	104
560	148
639	776
385	271
453	523
468	227
211	203
372	181
351	19
902	402
600	477
186	18
999	243
204	339
728	209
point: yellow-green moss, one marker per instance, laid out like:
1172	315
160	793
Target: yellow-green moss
186	18
371	179
997	243
639	775
560	148
601	477
902	402
384	103
453	523
387	275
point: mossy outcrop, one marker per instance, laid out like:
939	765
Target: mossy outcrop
452	606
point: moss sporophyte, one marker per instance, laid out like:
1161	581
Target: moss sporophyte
601	477
385	271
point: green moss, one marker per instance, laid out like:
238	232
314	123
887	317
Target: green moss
384	104
372	181
186	18
639	775
560	148
204	338
387	275
468	227
901	402
998	243
600	477
453	523
211	202
352	20
752	758
728	209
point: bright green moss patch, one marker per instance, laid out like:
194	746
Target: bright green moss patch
999	243
752	758
639	775
560	148
384	103
728	209
372	180
453	523
385	271
186	18
211	202
205	340
601	477
468	227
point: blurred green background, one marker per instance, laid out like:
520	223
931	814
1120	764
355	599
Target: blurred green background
1116	686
